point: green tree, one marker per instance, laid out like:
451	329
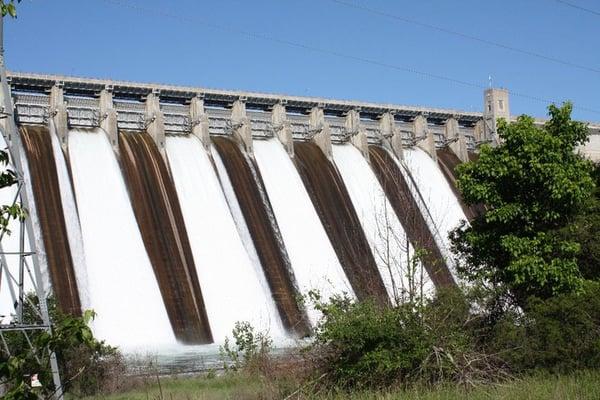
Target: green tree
9	7
585	229
532	184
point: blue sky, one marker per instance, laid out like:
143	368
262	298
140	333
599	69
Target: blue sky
199	43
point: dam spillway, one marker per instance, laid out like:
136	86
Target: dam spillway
313	259
258	214
122	287
44	178
338	216
158	215
394	183
174	215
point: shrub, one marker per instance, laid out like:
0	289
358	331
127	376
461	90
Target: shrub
87	366
560	334
361	345
250	352
364	345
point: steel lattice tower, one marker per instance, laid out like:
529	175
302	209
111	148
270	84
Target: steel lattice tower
28	264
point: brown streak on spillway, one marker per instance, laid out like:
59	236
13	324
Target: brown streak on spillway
159	217
398	192
46	190
251	195
448	161
332	202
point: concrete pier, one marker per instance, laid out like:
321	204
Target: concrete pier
358	137
282	127
319	131
155	120
456	139
392	137
424	136
108	117
58	114
241	129
199	120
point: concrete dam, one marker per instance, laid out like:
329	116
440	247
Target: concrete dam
174	212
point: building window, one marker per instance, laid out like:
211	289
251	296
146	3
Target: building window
489	107
501	105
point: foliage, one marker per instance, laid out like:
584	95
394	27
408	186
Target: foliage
584	228
532	184
364	345
561	334
361	345
9	8
250	351
83	361
10	211
583	385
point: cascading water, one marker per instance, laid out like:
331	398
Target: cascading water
156	207
256	209
436	193
71	222
37	143
387	238
122	287
334	206
395	182
313	259
230	281
448	161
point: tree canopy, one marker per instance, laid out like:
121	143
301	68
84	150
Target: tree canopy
9	7
533	184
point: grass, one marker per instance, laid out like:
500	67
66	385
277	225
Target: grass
578	386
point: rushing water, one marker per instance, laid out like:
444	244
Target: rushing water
122	287
396	184
37	143
229	278
333	204
439	198
256	208
387	238
72	223
158	214
313	259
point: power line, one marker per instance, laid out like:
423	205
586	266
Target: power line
568	4
468	36
289	43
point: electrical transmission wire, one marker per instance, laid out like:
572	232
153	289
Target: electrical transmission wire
578	7
466	35
303	46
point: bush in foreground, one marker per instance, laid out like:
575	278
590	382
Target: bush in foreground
360	345
560	334
87	366
447	340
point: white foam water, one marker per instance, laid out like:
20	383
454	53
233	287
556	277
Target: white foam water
313	259
444	208
384	232
122	287
71	222
230	282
